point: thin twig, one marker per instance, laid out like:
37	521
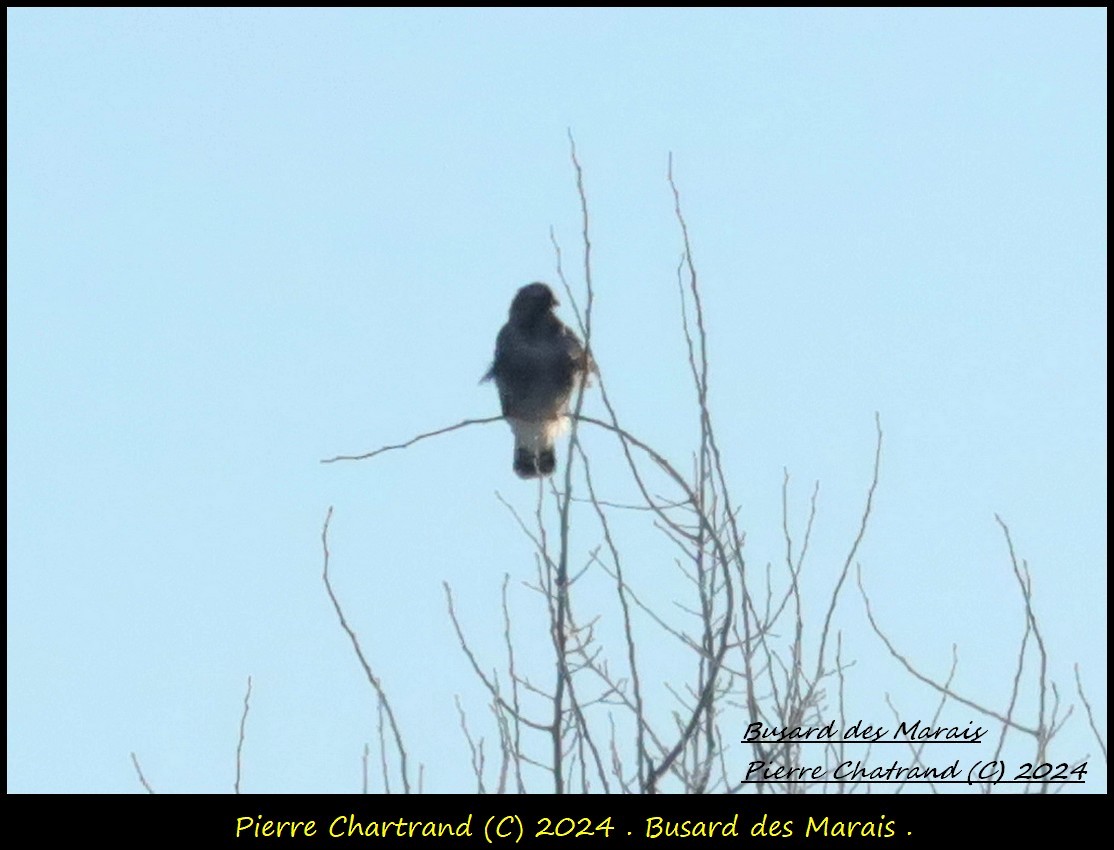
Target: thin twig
371	677
416	439
363	761
139	772
1090	714
942	688
240	742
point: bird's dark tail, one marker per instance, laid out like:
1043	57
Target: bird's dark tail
529	465
547	461
525	463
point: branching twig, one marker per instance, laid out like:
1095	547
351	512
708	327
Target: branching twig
1090	714
371	677
416	439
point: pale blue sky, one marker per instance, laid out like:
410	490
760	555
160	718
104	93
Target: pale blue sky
241	241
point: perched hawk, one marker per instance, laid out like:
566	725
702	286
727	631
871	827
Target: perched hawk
538	365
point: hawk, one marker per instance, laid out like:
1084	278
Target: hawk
538	365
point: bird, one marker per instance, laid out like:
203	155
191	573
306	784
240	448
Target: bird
538	364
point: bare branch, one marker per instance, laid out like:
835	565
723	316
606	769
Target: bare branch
139	772
363	763
371	677
941	687
1090	714
416	439
240	742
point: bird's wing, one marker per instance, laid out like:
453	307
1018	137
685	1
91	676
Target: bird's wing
582	361
503	345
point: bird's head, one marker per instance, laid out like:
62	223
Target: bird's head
532	301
